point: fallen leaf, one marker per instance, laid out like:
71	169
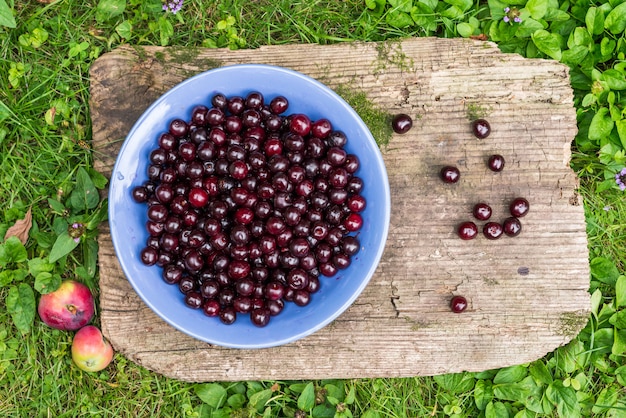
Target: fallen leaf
21	228
481	37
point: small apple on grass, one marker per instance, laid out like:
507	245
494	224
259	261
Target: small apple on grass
68	308
91	352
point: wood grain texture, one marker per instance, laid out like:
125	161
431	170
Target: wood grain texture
527	295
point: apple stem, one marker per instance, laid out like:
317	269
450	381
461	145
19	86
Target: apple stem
72	309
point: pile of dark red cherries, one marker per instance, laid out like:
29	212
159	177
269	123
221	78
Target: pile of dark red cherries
248	206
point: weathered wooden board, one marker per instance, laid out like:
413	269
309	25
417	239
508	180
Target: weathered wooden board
527	295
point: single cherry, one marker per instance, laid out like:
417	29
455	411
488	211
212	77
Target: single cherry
482	211
450	174
458	304
492	230
512	226
401	123
481	128
519	207
467	230
496	163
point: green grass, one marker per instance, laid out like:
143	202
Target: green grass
45	149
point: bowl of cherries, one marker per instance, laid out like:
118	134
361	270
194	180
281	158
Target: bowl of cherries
249	206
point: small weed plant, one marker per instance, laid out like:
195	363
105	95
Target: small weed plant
52	202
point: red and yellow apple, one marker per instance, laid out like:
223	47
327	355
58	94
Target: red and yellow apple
68	308
91	352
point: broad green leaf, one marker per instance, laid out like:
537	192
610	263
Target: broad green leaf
619	342
370	413
63	245
525	413
596	300
516	392
603	269
38	265
540	372
56	206
620	373
564	398
462	5
510	374
7	277
401	5
615	79
580	37
236	401
85	195
616	19
606	400
621	131
574	56
259	399
569	357
108	9
125	29
327	411
166	30
12	251
548	43
213	394
464	29
306	400
483	394
594	19
537	8
603	340
620	292
455	382
334	391
20	304
6	15
496	410
47	282
422	15
398	19
528	27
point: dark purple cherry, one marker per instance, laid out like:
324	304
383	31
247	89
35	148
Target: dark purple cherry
512	226
492	230
467	230
481	128
300	124
401	123
482	211
458	304
519	207
279	104
496	163
450	174
178	128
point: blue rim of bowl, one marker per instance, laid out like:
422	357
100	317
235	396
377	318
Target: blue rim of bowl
375	257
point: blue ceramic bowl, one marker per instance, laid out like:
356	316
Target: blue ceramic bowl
127	219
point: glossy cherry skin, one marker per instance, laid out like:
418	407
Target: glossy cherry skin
512	226
519	207
496	163
481	128
467	230
450	174
492	230
458	304
482	211
401	123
